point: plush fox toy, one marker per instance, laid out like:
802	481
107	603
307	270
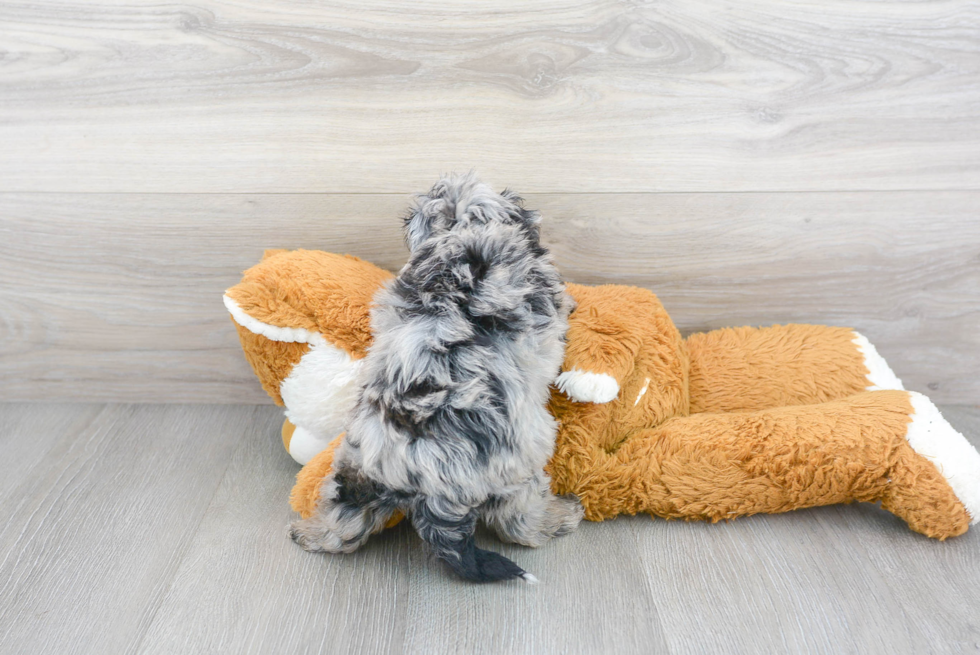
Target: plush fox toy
719	425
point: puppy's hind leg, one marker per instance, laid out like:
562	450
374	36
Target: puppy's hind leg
448	530
533	515
351	508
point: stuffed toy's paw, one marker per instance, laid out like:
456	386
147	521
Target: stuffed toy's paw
584	387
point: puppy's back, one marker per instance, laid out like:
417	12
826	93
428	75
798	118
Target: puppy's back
468	338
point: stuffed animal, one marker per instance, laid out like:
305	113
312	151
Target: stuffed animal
719	425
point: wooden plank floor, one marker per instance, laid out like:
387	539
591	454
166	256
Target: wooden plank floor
161	529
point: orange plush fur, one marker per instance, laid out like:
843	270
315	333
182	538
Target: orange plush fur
719	425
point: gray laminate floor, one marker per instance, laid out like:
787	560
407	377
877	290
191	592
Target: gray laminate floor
161	529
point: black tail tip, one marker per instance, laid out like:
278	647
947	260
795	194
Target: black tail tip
480	565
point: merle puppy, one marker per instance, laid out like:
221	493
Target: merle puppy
450	424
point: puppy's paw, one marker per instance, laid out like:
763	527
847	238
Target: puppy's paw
311	535
566	512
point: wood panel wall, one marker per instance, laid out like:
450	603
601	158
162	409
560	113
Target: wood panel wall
118	296
752	163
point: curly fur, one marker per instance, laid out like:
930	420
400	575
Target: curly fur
450	424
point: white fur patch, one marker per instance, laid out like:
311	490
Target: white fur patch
584	387
530	579
304	445
880	375
934	438
320	392
275	333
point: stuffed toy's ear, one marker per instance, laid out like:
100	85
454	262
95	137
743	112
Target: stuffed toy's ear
305	296
303	318
295	300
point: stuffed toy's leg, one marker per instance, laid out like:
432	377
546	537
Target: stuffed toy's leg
309	481
887	446
306	491
747	368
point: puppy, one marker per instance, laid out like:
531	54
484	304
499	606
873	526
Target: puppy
450	424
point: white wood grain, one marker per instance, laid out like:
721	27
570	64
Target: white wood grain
777	584
556	96
30	432
117	296
90	539
245	587
568	612
179	546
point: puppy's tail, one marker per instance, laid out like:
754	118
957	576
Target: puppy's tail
480	565
451	540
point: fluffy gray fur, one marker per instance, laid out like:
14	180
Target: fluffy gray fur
450	424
